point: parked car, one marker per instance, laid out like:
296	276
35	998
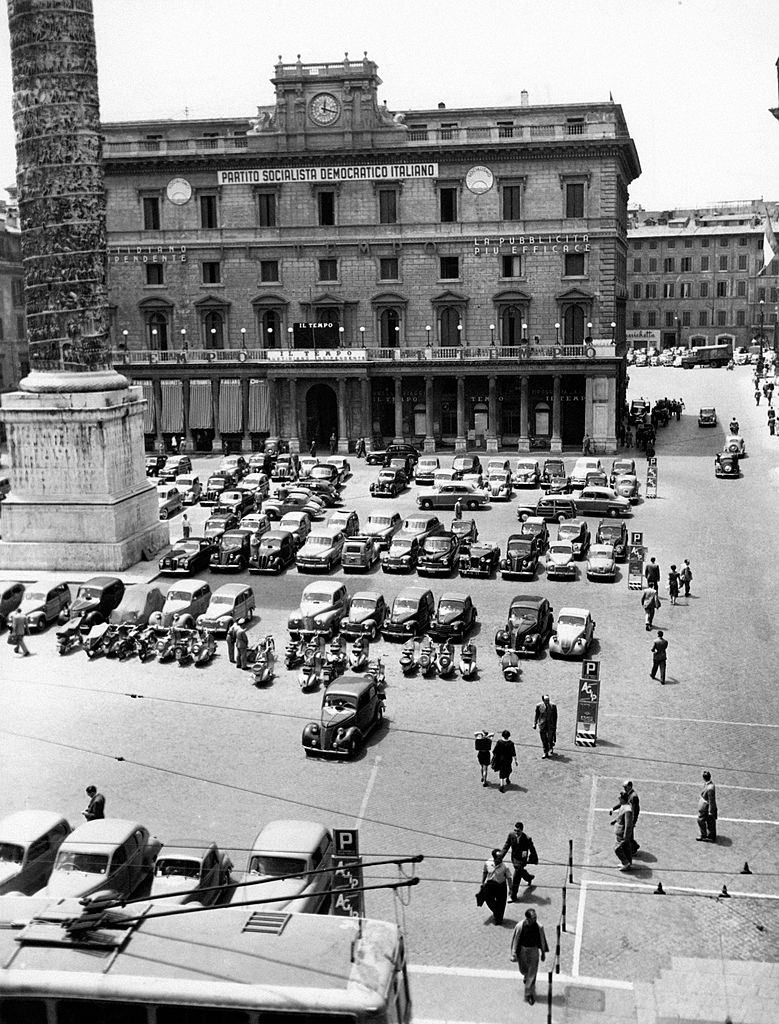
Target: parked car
276	552
382	526
190	488
96	598
322	550
155	463
498	485
346	520
402	554
296	501
359	554
498	464
601	564
466	464
218	524
529	625
521	558
240	503
257	522
535	526
325	491
235	465
105	855
261	462
707	417
175	465
389	483
467	533
294	860
439	555
628	487
727	467
447	496
596	478
621	467
11	594
325	473
367	613
215	485
554	476
573	633
186	598
615	534
232	602
257	485
734	445
322	607
139	602
232	552
552	507
444	476
425	469
581	468
396	450
639	407
307	463
527	473
482	560
286	467
575	532
44	601
299	525
560	564
5	487
341	465
170	500
601	501
454	618
187	557
196	874
29	841
352	707
412	611
420	526
403	465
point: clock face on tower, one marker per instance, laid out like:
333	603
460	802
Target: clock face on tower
325	109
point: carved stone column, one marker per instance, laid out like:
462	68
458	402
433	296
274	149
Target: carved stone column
492	415
461	440
429	444
556	443
524	415
186	444
343	430
215	413
246	441
398	438
273	413
367	425
159	440
294	439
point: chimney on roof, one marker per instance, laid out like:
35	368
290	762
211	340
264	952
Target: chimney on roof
442	105
524	99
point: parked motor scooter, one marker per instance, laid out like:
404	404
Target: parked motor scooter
377	673
203	646
94	642
335	661
182	648
510	667
264	664
146	642
166	645
445	660
310	674
293	652
408	658
467	663
118	645
427	665
358	654
69	637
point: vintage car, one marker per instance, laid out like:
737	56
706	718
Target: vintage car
139	603
529	625
232	552
402	554
734	445
389	483
240	503
307	463
466	530
232	602
727	466
574	632
438	555
627	486
104	855
155	463
560	564
29	841
615	534
44	601
215	485
293	859
257	485
583	466
425	469
521	558
499	464
382	526
285	467
276	551
641	360
639	407
341	465
393	451
481	559
11	594
190	487
257	522
412	611
175	465
323	605
596	478
527	473
601	501
454	618
218	524
186	598
466	465
295	501
575	532
187	556
403	465
195	874
352	707
97	598
322	550
443	476
298	524
498	485
235	465
535	526
367	613
346	520
554	508
261	462
420	526
601	564
359	554
448	495
324	472
325	491
621	467
169	499
554	476
707	417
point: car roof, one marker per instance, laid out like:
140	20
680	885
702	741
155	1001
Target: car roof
453	595
230	588
584	612
24	826
536	520
416	592
325	531
367	595
333	586
190	585
103	831
531	599
602	549
576	521
275	535
186	852
349	686
238	532
290	835
99	581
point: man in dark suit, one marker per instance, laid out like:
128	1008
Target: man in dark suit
521	847
546	723
652	574
659	649
96	806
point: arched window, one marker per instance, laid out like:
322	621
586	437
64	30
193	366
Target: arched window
450	319
270	327
389	328
157	330
511	326
213	326
573	325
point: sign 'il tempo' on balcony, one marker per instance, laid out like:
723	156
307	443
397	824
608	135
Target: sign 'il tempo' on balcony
319	175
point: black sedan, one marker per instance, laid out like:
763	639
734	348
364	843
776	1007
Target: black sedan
187	557
466	530
521	559
439	555
454	618
482	559
367	613
529	625
615	534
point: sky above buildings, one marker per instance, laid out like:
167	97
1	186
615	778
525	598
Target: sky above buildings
695	77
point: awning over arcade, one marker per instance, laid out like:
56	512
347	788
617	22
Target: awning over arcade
201	416
230	407
172	407
259	406
148	413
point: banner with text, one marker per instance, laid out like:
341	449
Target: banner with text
323	175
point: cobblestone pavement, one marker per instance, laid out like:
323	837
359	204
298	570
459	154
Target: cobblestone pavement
206	756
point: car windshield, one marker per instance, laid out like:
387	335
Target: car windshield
380	520
322	472
177	866
190	547
497	474
520	545
315	541
272	544
560	549
570	620
185	481
526	467
387	474
214	528
402	544
522	613
317	597
179	595
610	532
405	604
601	553
34	595
89	593
230	542
227	599
339	701
73	860
290	522
462	464
427	464
623	467
462	527
10	853
268	864
707	412
531	529
363	605
478	550
568	531
353	546
216	483
555	467
437	544
450	607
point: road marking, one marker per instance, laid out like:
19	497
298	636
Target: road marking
703	721
674	782
577	942
367	794
671	814
486	972
681	888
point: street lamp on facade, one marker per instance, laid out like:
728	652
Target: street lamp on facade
428	329
243	336
125	335
613	331
290	332
492	335
341	335
557	333
362	337
524	334
154	337
588	339
460	333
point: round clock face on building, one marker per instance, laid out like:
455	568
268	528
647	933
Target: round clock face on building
325	109
179	191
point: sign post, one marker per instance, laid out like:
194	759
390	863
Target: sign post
347	874
636	554
651	477
587	706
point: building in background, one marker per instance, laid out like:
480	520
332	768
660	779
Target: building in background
333	267
695	277
14	360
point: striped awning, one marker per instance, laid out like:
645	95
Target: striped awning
259	407
172	407
148	412
230	407
201	410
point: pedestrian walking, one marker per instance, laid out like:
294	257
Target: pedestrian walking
546	722
312	449
623	835
504	759
241	644
483	744
586	444
673	584
757	396
772	422
96	806
458	510
186	527
230	639
528	946
652	574
659	656
17	631
650	602
635	806
523	852
707	811
495	877
686	577
333	444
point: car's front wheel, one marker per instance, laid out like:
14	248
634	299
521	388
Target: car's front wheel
613	512
426	503
561	517
163	513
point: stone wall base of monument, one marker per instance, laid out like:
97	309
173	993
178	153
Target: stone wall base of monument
80	498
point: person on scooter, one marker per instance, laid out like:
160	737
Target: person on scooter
734	426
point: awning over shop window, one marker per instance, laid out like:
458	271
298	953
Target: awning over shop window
201	410
259	407
148	412
172	407
230	407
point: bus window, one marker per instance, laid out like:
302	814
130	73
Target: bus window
22	1011
81	1011
201	1015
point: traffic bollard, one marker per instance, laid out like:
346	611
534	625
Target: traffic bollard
570	861
550	976
557	952
562	913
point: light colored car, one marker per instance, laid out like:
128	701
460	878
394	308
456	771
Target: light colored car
44	601
298	524
286	853
307	463
359	554
448	495
191	487
499	464
560	562
175	465
188	872
322	550
382	526
575	532
236	465
342	465
573	635
582	467
257	484
170	500
601	501
740	357
627	486
322	607
346	520
527	473
185	598
140	601
257	522
425	470
498	485
601	564
29	841
734	445
232	602
443	476
641	359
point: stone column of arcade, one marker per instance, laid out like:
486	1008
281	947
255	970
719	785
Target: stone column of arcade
461	440
367	425
556	443
294	438
80	498
429	443
398	438
246	440
492	416
523	444
343	437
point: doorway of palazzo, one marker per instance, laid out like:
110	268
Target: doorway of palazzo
321	414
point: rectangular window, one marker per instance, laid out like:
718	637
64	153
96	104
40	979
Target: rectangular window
669	319
21	326
724	242
723	263
688	243
651	319
505	129
704	290
449	130
669	265
574	199
704	262
637	291
668	290
638	245
447	198
743	241
17	291
328	270
388	268
721	318
266	209
685	289
704	243
741	318
703	318
637	266
653	264
154	273
388	206
326	207
574	264
686	318
212	272
671	243
151	213
653	245
511	266
761	294
208	211
722	289
512	202
686	264
741	289
450	267
774	294
650	291
269	271
636	321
